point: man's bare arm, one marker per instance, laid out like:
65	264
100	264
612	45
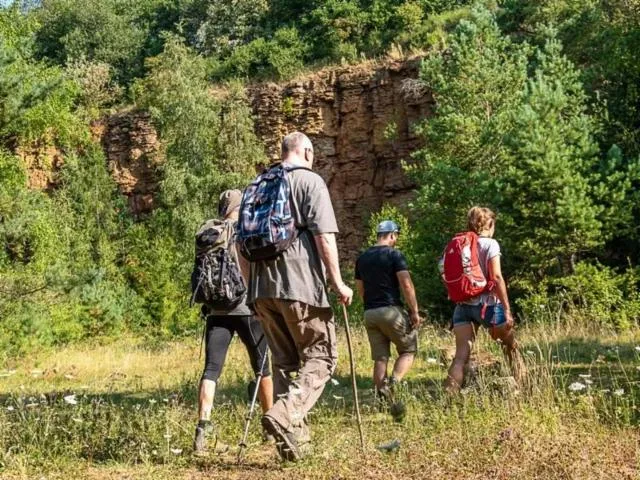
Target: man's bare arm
328	250
409	294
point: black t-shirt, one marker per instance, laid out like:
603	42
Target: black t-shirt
377	268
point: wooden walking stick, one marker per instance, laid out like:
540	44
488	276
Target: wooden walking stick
353	374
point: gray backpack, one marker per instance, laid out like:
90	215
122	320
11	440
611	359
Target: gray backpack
216	280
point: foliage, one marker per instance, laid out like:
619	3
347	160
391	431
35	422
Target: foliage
229	24
35	98
592	294
536	115
210	144
512	132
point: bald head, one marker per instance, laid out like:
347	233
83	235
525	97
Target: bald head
297	149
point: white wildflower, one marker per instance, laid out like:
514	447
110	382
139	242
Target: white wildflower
335	382
10	408
152	401
577	386
619	392
71	399
588	382
530	352
176	451
638	348
584	375
432	360
167	436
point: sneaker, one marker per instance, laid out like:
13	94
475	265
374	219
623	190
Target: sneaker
285	442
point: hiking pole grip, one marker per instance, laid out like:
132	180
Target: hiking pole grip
353	374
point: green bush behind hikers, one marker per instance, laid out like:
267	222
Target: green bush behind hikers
542	127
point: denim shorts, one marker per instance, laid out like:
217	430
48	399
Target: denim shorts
465	314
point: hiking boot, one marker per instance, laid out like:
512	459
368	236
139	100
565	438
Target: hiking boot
398	411
285	442
205	432
389	392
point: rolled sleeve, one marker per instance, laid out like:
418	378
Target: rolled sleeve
320	217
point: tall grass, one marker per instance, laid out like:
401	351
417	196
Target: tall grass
127	408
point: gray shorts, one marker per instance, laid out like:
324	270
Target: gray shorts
387	325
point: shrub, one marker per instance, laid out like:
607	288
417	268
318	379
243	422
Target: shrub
593	293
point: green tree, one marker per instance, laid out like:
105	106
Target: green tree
210	145
511	132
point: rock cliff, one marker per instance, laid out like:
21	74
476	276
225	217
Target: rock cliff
133	153
359	119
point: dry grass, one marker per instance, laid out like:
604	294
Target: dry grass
136	404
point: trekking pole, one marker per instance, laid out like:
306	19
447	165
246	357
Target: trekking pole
243	442
353	374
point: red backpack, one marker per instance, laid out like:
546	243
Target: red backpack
460	268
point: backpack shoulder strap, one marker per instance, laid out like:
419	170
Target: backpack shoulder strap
292	169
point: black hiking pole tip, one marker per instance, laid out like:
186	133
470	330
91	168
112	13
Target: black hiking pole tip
354	385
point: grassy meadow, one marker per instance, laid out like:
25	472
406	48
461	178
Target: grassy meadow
127	410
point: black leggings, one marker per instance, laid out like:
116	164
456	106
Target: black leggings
218	335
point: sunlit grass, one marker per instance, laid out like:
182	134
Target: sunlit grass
126	409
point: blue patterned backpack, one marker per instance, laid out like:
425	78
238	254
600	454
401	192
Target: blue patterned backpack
266	227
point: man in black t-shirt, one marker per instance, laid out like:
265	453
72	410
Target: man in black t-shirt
382	275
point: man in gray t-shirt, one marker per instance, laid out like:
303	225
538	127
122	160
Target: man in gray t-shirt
289	295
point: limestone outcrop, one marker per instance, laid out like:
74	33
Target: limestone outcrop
359	119
133	154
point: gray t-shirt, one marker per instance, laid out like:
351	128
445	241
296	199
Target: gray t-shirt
488	248
298	274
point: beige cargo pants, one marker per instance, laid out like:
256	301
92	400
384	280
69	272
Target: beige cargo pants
302	340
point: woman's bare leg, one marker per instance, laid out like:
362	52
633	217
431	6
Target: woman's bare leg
465	336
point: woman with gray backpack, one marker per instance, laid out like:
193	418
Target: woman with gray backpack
217	284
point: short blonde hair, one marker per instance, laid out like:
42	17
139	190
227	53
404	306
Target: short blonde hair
480	219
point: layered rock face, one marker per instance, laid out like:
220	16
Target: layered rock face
133	153
359	119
